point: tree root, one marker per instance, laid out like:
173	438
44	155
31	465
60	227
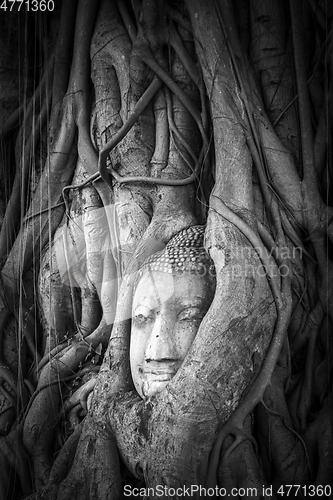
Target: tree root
159	159
241	469
80	397
182	96
38	436
180	138
79	82
60	467
7	376
161	76
266	259
319	440
80	185
126	18
140	106
283	305
62	62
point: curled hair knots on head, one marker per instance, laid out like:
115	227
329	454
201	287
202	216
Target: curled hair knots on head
185	252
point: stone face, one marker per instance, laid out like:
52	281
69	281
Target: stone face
167	312
173	292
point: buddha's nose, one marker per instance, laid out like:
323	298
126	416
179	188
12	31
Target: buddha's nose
161	344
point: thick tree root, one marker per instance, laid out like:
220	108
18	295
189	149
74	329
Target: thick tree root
256	392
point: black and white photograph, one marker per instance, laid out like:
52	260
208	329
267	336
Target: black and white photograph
166	249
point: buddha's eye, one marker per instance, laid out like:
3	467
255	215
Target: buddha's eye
142	316
191	314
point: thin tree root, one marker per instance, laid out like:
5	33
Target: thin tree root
80	396
306	391
153	180
290	429
179	136
50	355
239	436
126	18
92	178
41	212
8	396
159	159
58	381
7	376
79	81
177	44
178	18
182	96
66	454
73	416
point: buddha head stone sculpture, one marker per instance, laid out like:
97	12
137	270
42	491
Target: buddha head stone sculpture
173	292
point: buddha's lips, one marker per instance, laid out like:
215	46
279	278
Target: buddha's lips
160	368
160	373
152	377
